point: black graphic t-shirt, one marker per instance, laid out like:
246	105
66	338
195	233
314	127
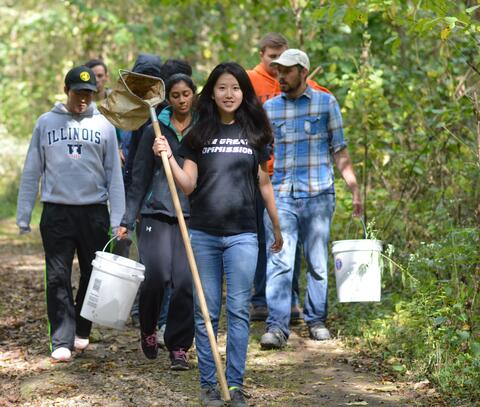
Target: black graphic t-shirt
223	202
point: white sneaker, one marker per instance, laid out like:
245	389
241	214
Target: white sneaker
80	344
161	336
62	354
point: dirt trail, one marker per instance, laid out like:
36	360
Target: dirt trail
113	372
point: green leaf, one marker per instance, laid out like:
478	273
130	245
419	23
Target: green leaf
451	21
391	39
350	16
475	347
362	17
470	10
320	13
464	335
335	52
445	33
395	45
439	320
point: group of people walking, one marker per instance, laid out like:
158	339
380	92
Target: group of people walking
244	222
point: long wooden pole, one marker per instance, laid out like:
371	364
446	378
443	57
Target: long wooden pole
312	74
192	263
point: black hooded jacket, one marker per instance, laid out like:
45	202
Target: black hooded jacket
149	190
146	64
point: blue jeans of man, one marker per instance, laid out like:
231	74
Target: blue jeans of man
307	220
260	281
235	258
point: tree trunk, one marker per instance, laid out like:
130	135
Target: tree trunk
298	10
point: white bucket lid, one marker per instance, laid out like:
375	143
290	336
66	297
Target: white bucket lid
356	244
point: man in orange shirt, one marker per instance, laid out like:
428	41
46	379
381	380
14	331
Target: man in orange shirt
266	85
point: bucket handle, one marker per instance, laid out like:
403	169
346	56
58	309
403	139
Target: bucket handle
115	237
363	225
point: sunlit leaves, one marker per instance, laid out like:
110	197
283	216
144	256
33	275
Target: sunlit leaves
444	34
470	10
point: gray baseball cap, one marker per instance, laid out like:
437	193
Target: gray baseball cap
292	57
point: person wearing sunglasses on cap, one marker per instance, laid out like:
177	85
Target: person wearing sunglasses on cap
73	152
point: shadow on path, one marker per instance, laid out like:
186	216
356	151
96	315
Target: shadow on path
113	372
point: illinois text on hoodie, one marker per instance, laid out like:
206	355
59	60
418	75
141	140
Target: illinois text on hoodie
76	157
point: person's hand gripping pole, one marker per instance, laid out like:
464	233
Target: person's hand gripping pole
191	261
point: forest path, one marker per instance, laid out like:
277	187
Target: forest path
113	371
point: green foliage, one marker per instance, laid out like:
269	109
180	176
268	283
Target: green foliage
431	327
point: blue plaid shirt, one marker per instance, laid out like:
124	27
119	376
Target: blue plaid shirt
307	131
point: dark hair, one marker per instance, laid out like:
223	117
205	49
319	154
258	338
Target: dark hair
250	115
95	62
177	78
272	40
173	66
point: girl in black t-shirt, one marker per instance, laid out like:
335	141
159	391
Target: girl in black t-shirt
225	158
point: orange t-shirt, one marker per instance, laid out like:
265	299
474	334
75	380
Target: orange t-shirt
267	87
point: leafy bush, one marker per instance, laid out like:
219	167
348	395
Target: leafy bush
429	327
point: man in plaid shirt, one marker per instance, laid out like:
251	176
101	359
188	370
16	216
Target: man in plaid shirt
308	138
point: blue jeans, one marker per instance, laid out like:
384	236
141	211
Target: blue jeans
260	281
162	319
307	220
234	257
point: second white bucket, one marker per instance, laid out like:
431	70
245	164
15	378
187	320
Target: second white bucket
357	269
112	289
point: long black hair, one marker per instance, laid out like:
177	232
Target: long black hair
250	115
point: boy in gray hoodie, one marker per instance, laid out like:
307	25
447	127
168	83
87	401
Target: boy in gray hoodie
74	152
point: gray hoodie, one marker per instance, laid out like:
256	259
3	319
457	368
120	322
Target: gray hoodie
76	156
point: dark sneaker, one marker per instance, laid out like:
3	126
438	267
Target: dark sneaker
273	339
319	332
210	397
179	360
149	345
259	313
237	397
296	315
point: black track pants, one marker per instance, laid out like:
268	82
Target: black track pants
66	229
163	253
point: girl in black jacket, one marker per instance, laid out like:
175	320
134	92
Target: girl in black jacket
161	247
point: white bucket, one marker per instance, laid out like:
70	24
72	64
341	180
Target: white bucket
357	269
112	289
